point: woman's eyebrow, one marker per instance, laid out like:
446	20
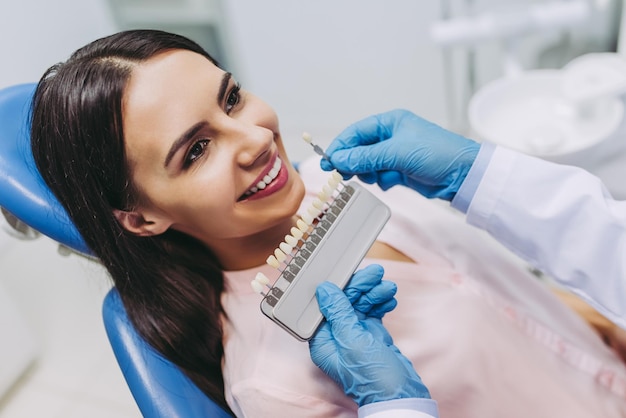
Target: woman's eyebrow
182	140
224	85
190	133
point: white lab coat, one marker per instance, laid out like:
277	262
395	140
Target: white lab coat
400	408
399	413
562	220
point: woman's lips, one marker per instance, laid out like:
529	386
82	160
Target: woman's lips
273	186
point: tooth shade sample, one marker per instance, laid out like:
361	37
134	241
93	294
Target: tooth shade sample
313	211
291	240
286	248
273	261
280	256
302	225
318	203
307	219
296	233
262	278
256	286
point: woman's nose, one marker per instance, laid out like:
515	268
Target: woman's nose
253	142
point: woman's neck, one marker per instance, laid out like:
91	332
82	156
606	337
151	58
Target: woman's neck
252	251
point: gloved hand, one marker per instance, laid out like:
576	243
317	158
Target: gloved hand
359	354
369	294
399	147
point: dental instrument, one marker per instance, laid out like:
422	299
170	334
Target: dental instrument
328	244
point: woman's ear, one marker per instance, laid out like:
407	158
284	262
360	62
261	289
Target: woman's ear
136	223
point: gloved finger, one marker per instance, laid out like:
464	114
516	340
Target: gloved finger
379	311
363	281
364	132
379	294
338	311
367	159
326	165
369	178
388	179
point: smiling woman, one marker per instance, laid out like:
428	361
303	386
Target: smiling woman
196	146
178	180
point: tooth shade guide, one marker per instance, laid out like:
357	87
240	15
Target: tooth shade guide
329	249
312	225
306	225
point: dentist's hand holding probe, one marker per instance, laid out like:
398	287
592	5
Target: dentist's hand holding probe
399	147
353	347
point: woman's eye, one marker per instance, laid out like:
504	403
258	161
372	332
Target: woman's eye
196	151
233	98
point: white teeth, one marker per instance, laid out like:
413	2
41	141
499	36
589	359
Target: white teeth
269	177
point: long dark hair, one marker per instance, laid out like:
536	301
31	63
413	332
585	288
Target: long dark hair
170	284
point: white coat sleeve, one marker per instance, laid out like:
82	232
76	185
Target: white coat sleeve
401	408
562	220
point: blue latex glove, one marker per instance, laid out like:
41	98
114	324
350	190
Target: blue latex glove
359	354
369	294
399	147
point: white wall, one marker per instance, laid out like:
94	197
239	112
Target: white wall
34	34
324	64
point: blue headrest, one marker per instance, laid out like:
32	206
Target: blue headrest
22	190
158	386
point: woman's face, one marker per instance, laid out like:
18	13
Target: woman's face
206	156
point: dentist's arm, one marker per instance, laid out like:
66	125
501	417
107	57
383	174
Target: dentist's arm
559	218
357	352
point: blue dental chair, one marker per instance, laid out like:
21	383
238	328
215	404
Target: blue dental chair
159	388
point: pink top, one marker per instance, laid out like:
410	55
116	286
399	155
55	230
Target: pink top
487	338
